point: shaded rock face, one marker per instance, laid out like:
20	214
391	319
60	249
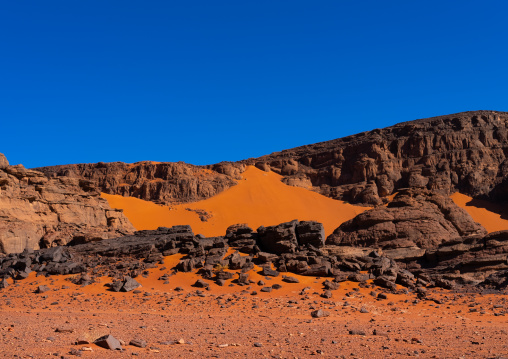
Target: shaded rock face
287	237
39	212
464	152
415	218
163	183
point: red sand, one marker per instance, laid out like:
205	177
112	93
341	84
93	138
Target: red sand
229	321
259	199
479	210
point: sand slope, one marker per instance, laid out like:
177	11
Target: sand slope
489	215
259	199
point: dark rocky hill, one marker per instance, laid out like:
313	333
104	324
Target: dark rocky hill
464	152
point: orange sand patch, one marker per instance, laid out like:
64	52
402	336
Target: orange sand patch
259	199
489	215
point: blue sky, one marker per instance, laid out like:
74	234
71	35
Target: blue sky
206	81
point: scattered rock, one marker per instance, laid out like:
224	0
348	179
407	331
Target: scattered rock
108	342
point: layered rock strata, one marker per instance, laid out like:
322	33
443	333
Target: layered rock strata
38	212
463	152
415	218
163	183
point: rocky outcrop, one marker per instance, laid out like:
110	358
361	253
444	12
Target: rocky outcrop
414	219
464	152
474	262
164	183
37	212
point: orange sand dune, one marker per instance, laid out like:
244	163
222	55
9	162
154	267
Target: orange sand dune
479	210
259	199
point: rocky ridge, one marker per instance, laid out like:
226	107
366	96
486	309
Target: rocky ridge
463	152
40	212
164	183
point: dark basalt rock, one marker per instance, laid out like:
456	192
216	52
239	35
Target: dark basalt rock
130	284
463	261
279	239
311	233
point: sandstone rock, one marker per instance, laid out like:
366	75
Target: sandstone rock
414	219
461	152
3	162
44	212
164	183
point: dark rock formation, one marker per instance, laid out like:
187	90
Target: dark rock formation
472	261
414	219
38	212
463	152
164	183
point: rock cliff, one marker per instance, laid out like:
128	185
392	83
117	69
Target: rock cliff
38	212
163	183
463	152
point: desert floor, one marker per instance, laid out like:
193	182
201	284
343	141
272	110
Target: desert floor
234	322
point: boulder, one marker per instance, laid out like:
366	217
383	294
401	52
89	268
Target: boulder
416	219
279	239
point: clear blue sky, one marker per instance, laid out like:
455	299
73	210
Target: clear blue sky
205	81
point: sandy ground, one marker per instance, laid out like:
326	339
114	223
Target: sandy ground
489	215
259	199
232	322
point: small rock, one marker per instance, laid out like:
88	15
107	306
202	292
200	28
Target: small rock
356	332
42	289
320	313
327	294
108	342
140	343
288	279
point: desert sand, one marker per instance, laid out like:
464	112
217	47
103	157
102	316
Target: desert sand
188	323
491	216
260	198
